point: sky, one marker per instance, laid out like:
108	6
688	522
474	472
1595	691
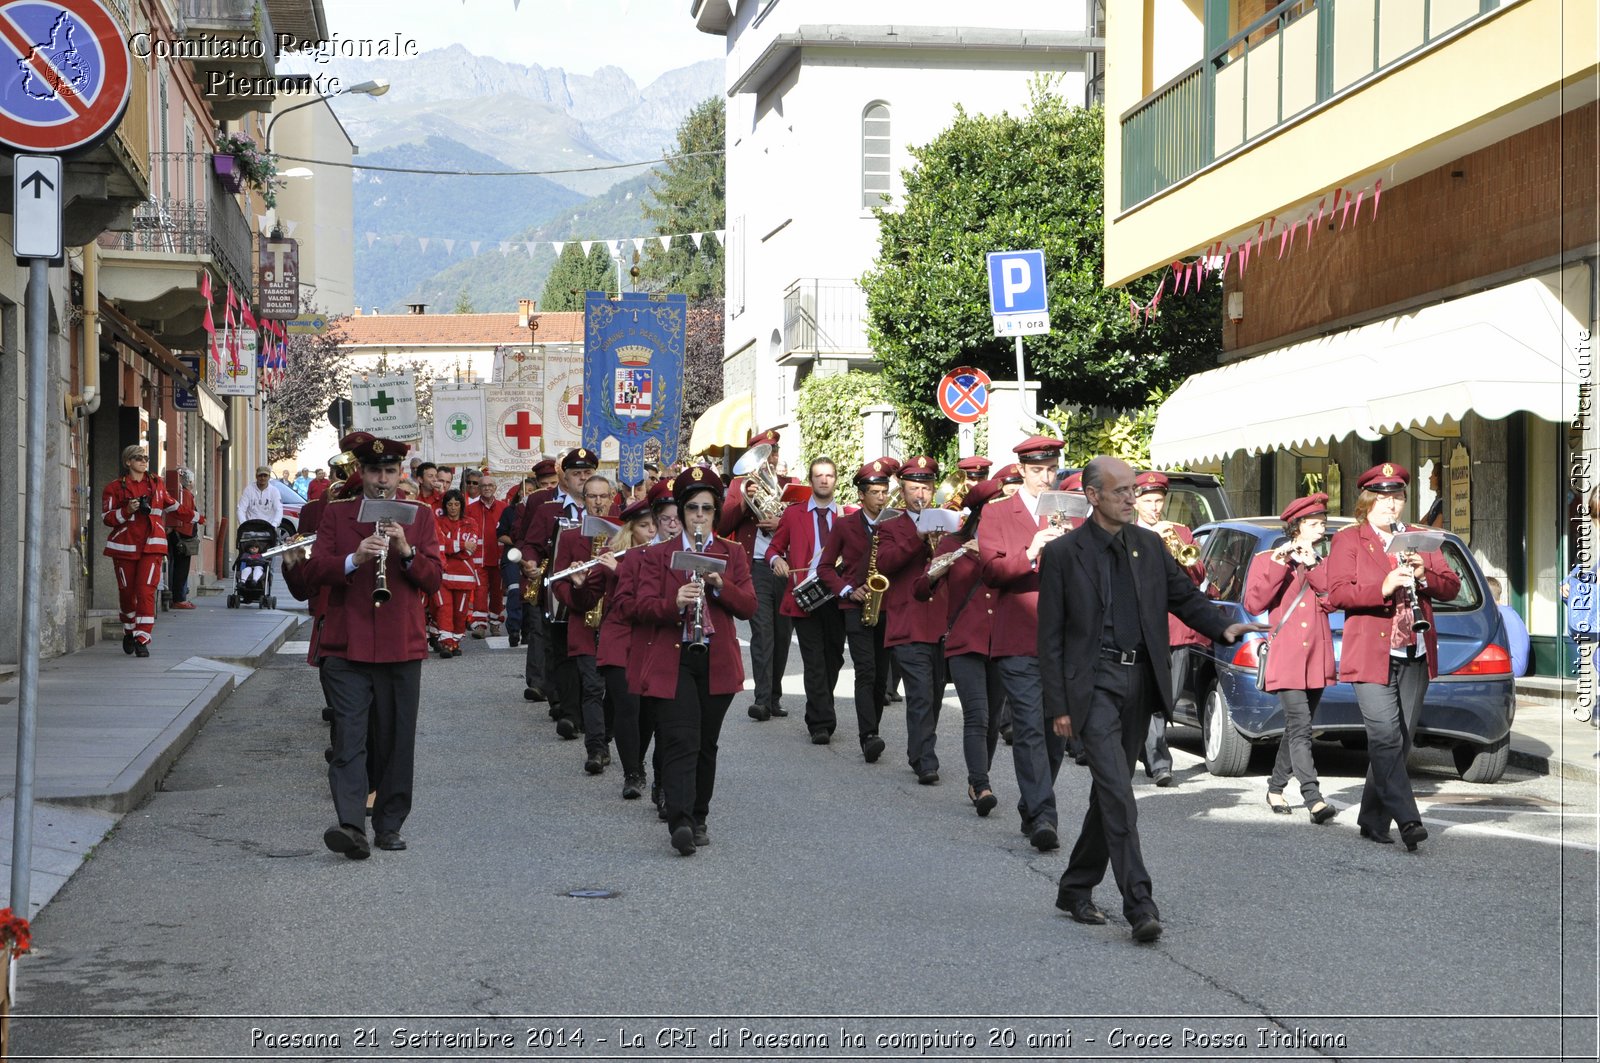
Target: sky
577	35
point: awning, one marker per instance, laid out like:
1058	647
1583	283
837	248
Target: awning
728	423
211	412
1494	353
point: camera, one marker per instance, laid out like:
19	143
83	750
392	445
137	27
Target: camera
144	506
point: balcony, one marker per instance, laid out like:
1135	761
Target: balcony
242	51
1300	56
824	319
151	269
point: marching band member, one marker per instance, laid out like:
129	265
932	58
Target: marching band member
458	545
770	629
797	546
914	626
686	657
1149	503
1300	664
604	584
976	467
849	561
589	713
969	623
1009	541
1010	478
542	525
1384	598
132	506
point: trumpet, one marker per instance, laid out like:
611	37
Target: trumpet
297	543
1185	554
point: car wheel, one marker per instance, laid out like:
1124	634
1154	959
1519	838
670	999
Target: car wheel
285	531
1227	751
1482	763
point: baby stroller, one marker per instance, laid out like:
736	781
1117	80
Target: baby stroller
252	573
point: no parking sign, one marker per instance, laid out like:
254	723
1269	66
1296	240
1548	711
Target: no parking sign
71	74
964	394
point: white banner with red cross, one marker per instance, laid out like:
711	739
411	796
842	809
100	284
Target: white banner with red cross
514	420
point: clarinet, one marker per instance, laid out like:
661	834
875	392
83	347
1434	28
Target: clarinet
1419	622
697	643
380	589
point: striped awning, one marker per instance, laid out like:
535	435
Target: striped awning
729	423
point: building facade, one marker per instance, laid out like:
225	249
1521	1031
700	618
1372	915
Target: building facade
1400	201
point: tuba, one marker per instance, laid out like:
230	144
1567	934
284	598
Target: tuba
762	492
877	585
952	493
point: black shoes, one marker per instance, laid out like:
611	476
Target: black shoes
894	696
127	642
1165	779
141	649
1005	733
702	837
1413	834
1381	837
327	714
872	748
1083	910
683	841
444	653
351	841
530	694
514	638
777	712
1146	928
391	841
565	729
605	756
982	800
820	738
759	712
1279	807
593	765
632	787
1043	837
1323	812
927	778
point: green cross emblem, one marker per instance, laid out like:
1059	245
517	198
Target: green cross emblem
459	427
383	402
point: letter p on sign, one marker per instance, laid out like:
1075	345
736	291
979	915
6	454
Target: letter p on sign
1018	296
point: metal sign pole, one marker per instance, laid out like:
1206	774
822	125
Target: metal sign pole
38	333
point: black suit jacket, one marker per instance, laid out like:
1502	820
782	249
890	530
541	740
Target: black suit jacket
1072	616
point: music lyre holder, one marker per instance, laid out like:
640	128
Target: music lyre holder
701	565
1067	503
379	510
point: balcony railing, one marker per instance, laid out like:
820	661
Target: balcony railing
133	132
825	318
182	227
1301	54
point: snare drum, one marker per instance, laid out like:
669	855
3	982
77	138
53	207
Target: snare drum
810	594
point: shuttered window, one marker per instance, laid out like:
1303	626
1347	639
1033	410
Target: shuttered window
875	155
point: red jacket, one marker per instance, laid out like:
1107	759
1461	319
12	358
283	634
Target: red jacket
1300	655
1003	538
575	549
658	622
355	628
458	543
1357	566
180	516
616	630
845	556
795	540
539	529
903	556
737	522
488	514
1179	633
316	489
134	534
969	602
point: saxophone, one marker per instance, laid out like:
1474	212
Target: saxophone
592	618
877	584
531	586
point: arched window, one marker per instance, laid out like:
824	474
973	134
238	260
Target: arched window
875	155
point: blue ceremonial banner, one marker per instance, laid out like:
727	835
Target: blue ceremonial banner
633	378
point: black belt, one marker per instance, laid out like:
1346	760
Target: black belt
1127	657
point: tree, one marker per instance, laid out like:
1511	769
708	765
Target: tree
702	365
575	273
690	197
1004	183
318	371
464	303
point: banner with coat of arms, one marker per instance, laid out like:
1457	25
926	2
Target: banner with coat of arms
458	426
633	378
386	405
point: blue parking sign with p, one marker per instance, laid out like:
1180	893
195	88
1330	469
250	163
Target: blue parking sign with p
1016	282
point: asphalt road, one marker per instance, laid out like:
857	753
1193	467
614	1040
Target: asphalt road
838	900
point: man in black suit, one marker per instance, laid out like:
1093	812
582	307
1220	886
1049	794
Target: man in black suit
1105	591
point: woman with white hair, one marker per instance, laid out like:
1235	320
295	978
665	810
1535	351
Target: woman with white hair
133	507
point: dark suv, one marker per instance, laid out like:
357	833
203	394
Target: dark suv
1468	709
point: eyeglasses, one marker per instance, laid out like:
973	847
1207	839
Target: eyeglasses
1121	492
700	507
140	457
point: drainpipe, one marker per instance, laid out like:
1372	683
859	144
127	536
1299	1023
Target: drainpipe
87	403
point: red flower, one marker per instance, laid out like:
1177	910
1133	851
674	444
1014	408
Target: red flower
15	932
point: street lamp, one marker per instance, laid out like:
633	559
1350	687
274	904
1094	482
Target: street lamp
375	87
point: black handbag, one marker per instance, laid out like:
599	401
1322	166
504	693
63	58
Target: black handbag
1266	643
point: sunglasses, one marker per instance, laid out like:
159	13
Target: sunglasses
700	507
140	457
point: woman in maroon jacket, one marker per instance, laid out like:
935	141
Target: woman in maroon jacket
1382	655
1300	661
689	673
969	621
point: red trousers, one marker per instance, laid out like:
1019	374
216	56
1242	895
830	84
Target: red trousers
489	606
451	608
138	578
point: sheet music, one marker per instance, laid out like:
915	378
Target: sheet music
1422	542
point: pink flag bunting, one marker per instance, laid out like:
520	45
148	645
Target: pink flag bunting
1377	193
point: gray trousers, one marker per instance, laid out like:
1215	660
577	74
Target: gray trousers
376	703
1294	749
1113	730
1035	752
979	687
922	665
1156	754
1389	711
770	634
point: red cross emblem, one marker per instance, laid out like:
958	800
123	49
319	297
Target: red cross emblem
523	430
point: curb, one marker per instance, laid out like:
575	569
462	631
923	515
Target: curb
1559	767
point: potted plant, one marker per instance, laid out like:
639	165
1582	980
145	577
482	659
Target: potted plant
239	162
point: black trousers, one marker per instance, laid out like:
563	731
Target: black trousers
687	729
821	637
770	634
1389	711
177	568
374	703
982	693
922	666
871	662
593	701
634	723
1115	728
1294	749
562	683
533	666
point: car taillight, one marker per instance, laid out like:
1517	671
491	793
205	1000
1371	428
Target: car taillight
1245	655
1494	660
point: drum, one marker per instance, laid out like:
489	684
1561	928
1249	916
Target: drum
810	594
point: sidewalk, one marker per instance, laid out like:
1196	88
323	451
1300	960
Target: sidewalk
109	726
1546	736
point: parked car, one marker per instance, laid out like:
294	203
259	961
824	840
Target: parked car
1468	708
293	501
1193	499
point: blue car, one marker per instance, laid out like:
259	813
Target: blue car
1468	709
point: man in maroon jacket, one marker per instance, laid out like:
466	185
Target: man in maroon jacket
1009	541
797	545
371	653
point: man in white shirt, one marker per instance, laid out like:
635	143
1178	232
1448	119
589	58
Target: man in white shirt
260	500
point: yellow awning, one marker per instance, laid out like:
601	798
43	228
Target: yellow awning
1508	349
728	423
